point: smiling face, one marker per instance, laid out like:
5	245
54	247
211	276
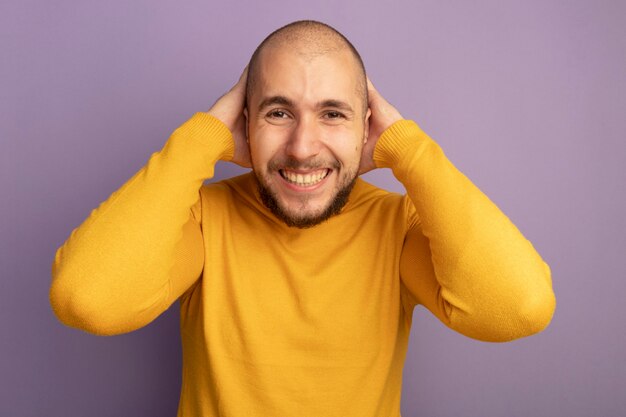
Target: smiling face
306	129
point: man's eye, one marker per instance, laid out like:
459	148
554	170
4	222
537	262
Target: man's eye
334	115
277	114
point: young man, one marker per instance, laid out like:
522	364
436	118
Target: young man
297	281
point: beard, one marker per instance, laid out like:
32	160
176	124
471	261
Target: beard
305	220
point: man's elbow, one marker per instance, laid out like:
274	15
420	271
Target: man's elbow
530	314
536	312
75	308
534	308
517	315
537	308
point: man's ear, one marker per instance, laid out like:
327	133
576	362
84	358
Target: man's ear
366	125
245	113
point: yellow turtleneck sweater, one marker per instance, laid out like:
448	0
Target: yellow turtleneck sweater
284	322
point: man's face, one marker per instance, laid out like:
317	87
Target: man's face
306	130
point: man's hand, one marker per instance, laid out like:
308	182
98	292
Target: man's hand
229	109
382	116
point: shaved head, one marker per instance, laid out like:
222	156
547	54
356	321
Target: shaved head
309	39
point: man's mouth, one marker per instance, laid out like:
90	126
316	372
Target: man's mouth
304	179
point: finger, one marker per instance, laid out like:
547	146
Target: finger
244	75
372	93
241	83
370	87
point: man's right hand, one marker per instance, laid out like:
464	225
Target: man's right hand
229	109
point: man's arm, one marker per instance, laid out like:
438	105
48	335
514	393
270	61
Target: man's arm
463	259
142	248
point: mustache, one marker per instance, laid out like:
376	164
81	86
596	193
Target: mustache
295	164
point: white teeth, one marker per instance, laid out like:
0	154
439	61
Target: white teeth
305	180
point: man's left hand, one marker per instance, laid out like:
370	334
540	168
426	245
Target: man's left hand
382	116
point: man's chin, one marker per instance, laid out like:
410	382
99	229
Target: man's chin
304	220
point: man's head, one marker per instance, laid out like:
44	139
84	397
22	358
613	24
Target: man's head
307	121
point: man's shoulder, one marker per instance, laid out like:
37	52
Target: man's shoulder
365	192
240	187
379	201
373	200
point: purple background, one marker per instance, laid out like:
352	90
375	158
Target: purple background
526	98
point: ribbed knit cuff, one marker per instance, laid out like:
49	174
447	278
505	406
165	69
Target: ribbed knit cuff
211	131
396	141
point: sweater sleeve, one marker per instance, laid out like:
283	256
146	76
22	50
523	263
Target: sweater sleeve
463	259
141	248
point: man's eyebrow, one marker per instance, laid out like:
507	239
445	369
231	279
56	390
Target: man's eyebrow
284	101
337	104
270	101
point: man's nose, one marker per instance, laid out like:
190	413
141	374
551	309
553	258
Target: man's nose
304	141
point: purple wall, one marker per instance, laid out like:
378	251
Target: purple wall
526	98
